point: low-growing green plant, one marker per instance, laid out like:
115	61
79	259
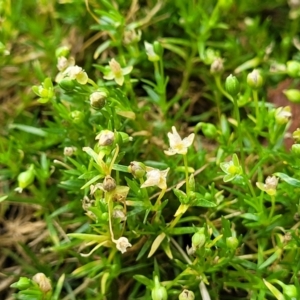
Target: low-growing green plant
159	171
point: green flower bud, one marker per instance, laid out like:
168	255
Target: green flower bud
232	85
109	184
67	84
77	116
186	295
62	51
209	130
232	242
198	239
293	68
293	95
290	291
296	149
159	292
255	80
296	135
104	216
97	100
22	284
25	179
225	4
137	169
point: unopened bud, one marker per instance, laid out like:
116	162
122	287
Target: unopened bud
43	282
109	184
158	48
22	284
232	85
77	116
158	292
293	68
137	169
105	137
69	151
217	66
255	80
209	130
186	295
97	100
67	84
232	242
296	149
198	239
25	179
296	135
293	95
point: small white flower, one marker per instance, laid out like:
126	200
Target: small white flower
122	244
76	72
177	145
270	185
152	56
156	177
116	72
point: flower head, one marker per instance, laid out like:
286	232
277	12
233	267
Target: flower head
76	72
231	168
122	244
156	177
270	185
177	145
116	72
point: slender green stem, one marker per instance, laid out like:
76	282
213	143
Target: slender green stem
176	220
158	200
220	88
255	98
187	259
186	175
110	208
113	159
92	82
239	132
272	206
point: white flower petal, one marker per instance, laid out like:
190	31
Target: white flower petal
127	70
122	244
177	145
119	79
